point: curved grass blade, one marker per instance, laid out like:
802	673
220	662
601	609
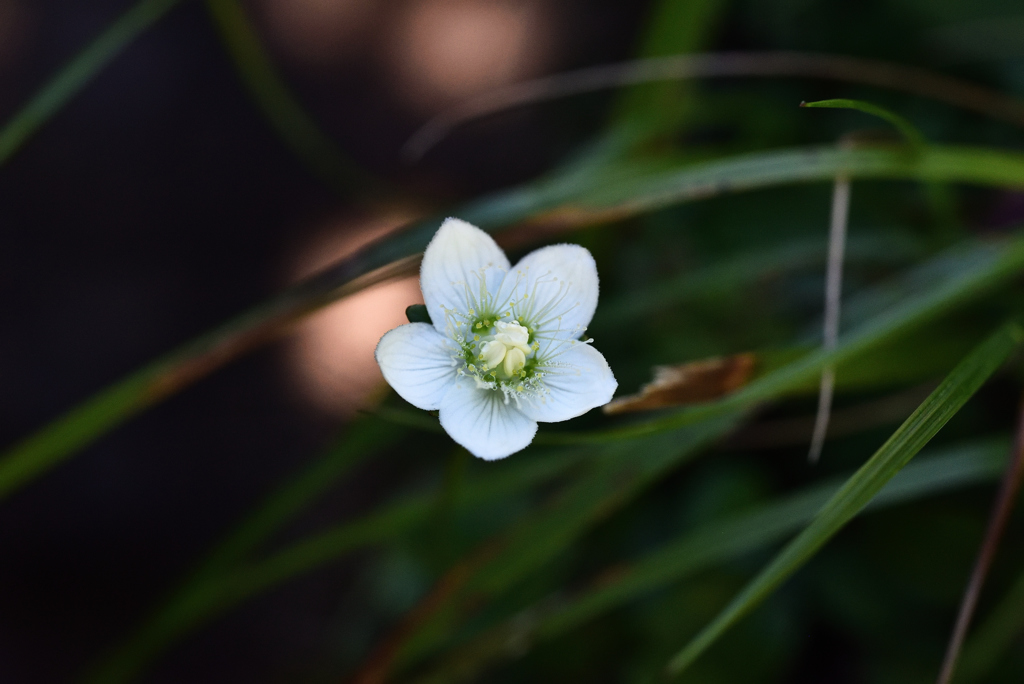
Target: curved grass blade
297	128
906	129
70	80
708	545
222	582
860	489
877	73
563	201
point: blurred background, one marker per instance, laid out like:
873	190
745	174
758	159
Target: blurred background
161	201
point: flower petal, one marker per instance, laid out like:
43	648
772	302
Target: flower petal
455	260
480	420
561	281
578	379
417	362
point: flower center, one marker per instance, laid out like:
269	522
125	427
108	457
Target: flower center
509	348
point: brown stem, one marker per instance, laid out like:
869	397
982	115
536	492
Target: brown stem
993	534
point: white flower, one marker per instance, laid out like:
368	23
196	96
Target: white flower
504	350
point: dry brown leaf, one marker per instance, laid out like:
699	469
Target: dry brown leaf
688	383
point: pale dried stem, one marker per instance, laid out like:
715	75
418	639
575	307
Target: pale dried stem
833	298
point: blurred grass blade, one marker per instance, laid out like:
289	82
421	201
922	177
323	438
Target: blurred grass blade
858	491
78	72
164	377
877	73
708	545
769	523
222	582
362	437
906	129
672	29
283	111
616	478
619	192
995	637
628	189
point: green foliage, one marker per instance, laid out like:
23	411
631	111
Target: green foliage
608	542
865	484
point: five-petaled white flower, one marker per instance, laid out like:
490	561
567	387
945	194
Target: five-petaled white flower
504	349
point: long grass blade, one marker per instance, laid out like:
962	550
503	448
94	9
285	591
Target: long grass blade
858	491
70	80
562	201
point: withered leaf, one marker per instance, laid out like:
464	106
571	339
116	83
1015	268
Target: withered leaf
688	383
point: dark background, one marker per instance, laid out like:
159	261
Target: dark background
157	204
160	202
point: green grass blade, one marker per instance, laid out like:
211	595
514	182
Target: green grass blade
628	190
906	129
70	80
296	127
771	522
858	491
714	543
619	193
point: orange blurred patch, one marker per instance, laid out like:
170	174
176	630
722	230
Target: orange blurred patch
330	356
318	32
443	51
15	27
